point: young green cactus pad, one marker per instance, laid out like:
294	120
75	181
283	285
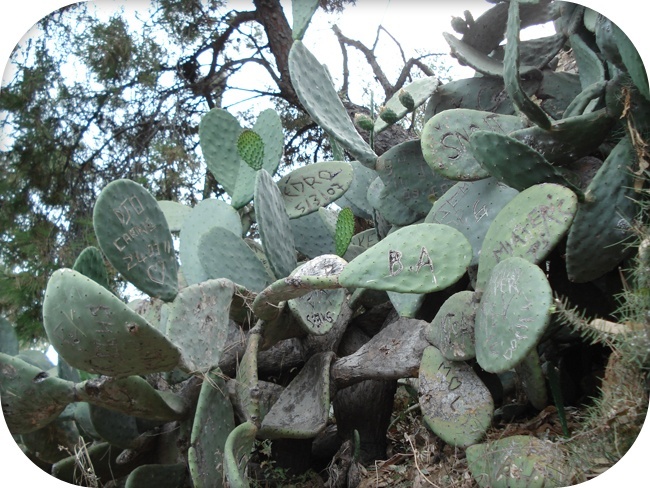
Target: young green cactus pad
95	331
317	311
274	226
317	94
90	263
409	179
213	421
511	72
250	147
175	213
198	323
407	99
529	226
420	258
455	403
445	140
514	311
133	234
226	255
514	163
31	398
518	462
344	230
302	409
601	231
237	451
306	189
157	476
452	329
204	216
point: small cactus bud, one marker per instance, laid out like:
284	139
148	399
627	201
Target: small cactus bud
388	115
406	99
363	121
459	25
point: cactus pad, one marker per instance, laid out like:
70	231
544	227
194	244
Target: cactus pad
452	329
251	148
133	234
455	404
90	263
514	311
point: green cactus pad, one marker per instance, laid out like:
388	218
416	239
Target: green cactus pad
226	255
314	233
157	476
90	263
204	216
470	207
302	11
514	312
455	404
420	258
318	310
153	310
317	94
590	65
94	331
387	204
237	451
445	140
344	230
600	235
251	149
175	213
31	398
8	338
306	189
213	421
529	226
133	234
104	459
518	462
302	410
632	61
246	386
408	99
570	138
408	178
198	323
529	372
452	329
116	428
406	304
511	72
514	163
274	226
53	442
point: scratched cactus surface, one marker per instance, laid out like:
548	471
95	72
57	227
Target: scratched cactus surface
520	187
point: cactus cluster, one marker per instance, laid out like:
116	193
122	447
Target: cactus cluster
468	225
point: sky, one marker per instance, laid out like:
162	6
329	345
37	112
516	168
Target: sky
415	23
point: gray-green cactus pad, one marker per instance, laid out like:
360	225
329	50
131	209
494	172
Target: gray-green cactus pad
518	462
274	226
455	403
205	215
420	90
417	259
90	263
445	140
317	94
213	421
31	398
157	476
390	208
470	207
133	234
96	332
198	323
8	338
306	189
302	409
529	226
514	312
452	329
357	195
602	229
175	213
314	233
224	254
317	311
237	452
